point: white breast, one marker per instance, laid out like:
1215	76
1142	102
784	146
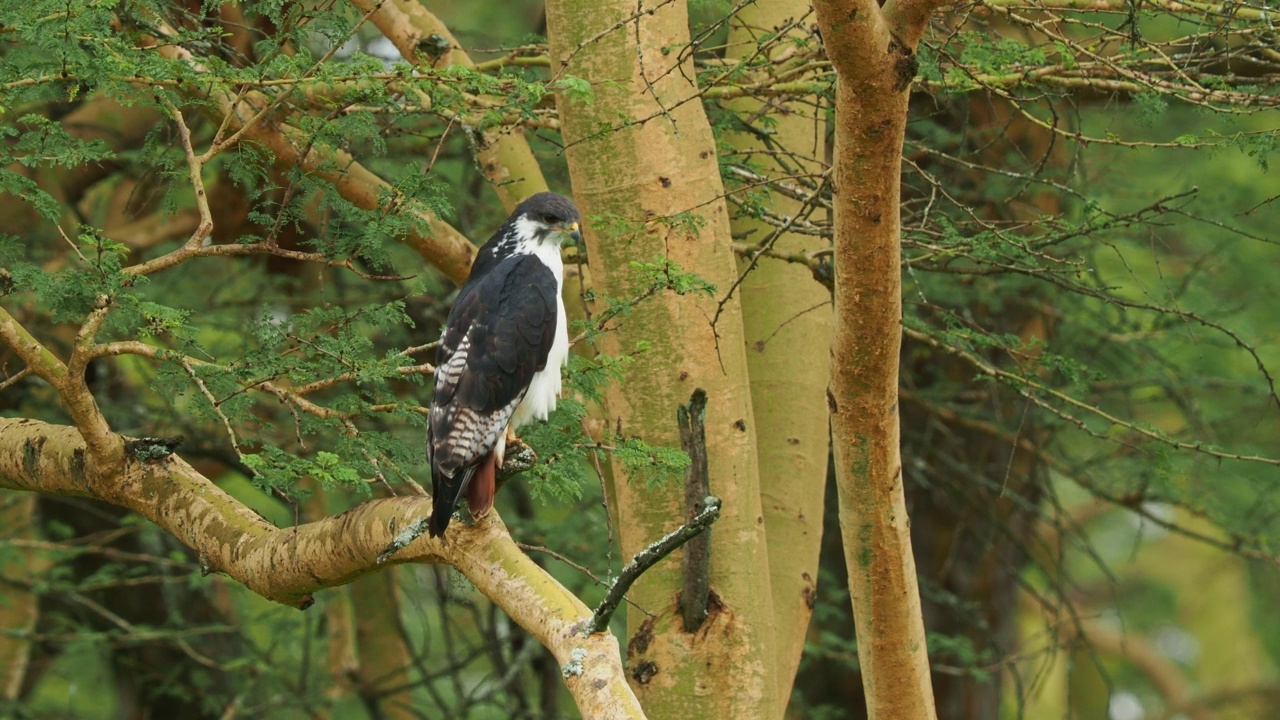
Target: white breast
543	392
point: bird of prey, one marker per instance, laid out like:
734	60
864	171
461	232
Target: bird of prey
500	355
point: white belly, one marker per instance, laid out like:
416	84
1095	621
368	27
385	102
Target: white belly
545	388
543	392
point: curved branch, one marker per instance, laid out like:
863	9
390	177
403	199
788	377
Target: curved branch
246	116
287	565
646	558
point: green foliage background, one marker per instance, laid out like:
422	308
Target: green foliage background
1151	263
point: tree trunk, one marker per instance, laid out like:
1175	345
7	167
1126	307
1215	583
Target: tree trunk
872	50
656	180
19	605
384	656
787	324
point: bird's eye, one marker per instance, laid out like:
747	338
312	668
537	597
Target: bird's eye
550	219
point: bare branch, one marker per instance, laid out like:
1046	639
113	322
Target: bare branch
646	558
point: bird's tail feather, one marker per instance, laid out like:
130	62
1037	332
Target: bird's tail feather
445	492
483	487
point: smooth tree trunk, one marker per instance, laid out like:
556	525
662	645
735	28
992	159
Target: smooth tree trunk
787	327
645	175
872	51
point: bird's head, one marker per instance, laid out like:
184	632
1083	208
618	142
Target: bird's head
547	218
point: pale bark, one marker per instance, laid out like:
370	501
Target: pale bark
657	162
288	565
787	323
873	55
502	154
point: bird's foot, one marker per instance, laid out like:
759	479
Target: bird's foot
510	440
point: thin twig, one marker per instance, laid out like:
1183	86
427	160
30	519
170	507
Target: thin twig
15	377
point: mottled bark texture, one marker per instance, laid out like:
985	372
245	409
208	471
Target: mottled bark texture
872	51
288	565
644	169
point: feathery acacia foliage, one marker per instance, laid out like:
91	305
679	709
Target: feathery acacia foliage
233	228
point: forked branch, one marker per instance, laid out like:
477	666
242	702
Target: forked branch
289	564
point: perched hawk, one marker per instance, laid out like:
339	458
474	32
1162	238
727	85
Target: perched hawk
498	365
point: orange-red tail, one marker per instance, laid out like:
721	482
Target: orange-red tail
483	486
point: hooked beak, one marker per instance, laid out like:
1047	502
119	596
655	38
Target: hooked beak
573	231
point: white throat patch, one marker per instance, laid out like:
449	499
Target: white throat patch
527	232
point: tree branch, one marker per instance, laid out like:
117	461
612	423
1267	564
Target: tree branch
442	245
646	558
875	67
908	19
288	565
502	154
68	380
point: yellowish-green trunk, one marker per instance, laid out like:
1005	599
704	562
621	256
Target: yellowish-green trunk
644	170
787	323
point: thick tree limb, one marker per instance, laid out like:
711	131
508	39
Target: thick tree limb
783	310
246	116
288	565
908	19
643	151
68	380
